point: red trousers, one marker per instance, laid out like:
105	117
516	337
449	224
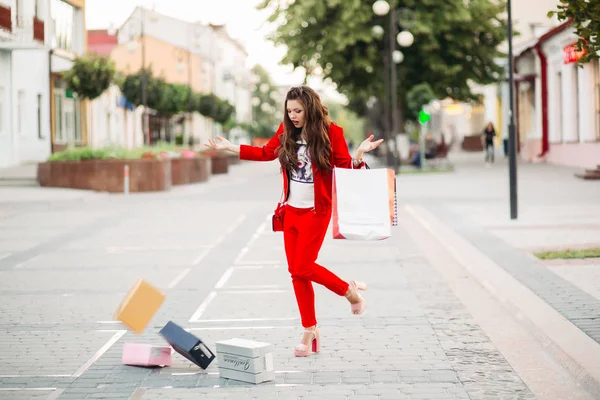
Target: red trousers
303	235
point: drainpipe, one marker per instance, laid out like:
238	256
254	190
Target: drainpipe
544	67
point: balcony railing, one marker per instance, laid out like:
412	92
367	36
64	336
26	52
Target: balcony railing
5	19
27	29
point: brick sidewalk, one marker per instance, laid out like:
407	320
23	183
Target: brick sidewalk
210	250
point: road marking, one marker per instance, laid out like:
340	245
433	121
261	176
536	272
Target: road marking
224	278
30	389
55	394
203	306
254	237
19	265
247	319
99	353
178	278
235	328
200	257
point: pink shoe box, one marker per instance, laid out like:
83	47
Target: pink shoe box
146	355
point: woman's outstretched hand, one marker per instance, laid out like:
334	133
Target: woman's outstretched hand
367	146
219	143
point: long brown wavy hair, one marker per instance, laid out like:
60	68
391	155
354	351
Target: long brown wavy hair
314	131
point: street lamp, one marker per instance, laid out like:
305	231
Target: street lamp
404	39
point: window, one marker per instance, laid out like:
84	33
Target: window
63	21
39	116
20	111
58	119
20	18
559	114
77	120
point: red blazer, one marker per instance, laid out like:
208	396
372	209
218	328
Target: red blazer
340	158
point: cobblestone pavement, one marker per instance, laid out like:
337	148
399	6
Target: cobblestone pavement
67	260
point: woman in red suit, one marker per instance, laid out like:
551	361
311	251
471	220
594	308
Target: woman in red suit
308	146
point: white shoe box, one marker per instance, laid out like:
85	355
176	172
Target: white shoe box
245	360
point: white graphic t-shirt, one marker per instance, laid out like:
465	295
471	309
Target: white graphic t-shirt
302	185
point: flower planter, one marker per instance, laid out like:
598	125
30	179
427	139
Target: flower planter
145	175
219	161
233	159
190	170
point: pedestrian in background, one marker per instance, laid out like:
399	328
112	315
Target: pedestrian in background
488	135
308	146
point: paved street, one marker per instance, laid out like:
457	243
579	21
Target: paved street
457	308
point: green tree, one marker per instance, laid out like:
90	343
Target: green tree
264	104
455	44
174	99
585	15
417	97
131	87
90	76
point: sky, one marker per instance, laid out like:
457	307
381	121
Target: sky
244	22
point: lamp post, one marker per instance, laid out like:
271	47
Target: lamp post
512	145
391	58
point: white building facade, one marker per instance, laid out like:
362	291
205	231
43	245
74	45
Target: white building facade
558	102
37	40
223	70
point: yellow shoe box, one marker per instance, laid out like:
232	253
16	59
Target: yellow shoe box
139	306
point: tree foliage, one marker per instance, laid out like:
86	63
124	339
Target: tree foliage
585	15
455	43
265	107
417	97
90	76
170	99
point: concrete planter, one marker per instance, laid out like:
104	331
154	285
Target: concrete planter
145	175
190	170
472	143
219	161
234	159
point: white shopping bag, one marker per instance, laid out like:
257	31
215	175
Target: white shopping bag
363	203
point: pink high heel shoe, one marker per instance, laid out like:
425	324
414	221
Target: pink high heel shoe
353	288
302	350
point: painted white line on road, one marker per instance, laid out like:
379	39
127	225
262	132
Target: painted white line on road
224	278
4	255
247	319
200	257
55	394
241	255
237	223
178	278
25	388
99	353
203	306
254	237
232	228
19	265
237	328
